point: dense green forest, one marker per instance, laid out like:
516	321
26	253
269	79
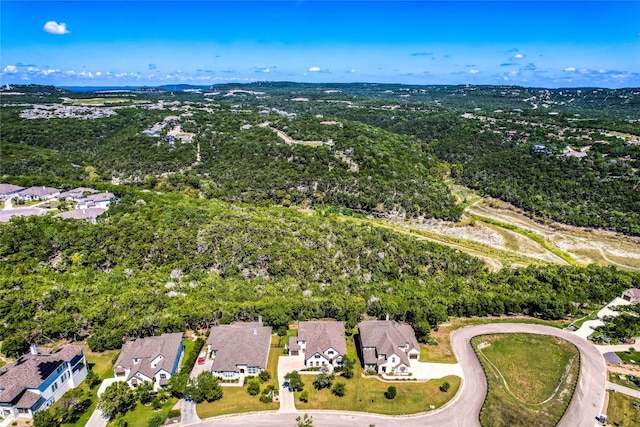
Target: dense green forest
167	262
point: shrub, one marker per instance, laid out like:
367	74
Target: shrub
254	387
264	376
304	396
391	392
295	380
323	380
265	398
155	403
339	389
173	413
156	421
445	387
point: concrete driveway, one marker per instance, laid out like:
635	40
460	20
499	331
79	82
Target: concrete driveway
428	371
287	364
97	418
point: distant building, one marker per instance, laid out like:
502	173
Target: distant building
7	214
239	349
88	214
38	379
632	295
540	149
321	343
153	359
77	193
38	193
101	200
8	190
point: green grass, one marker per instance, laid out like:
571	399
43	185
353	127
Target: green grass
141	415
532	397
628	357
189	346
102	365
234	401
616	379
621	411
367	394
578	323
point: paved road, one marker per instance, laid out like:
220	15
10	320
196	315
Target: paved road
463	410
624	390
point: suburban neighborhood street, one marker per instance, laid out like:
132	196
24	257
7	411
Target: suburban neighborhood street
463	410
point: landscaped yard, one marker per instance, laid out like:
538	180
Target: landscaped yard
535	396
367	394
630	357
102	365
622	380
621	411
236	399
141	415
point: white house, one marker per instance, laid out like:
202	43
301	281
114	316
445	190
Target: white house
38	193
322	343
387	346
100	200
153	359
8	190
38	379
239	349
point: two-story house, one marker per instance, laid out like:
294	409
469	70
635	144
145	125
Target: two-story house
239	349
322	343
38	379
153	359
387	346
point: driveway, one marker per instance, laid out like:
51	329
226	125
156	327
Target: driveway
463	410
589	326
624	390
97	418
287	364
429	371
188	414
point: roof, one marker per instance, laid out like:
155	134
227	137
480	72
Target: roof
322	335
386	336
7	214
9	189
39	191
100	197
30	370
241	343
77	193
611	357
633	293
146	350
87	213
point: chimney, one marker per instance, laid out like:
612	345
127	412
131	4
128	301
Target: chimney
387	317
255	331
260	319
33	348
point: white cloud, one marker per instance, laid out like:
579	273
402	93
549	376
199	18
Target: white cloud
266	70
473	71
314	69
98	73
51	71
518	56
570	69
52	27
10	69
353	70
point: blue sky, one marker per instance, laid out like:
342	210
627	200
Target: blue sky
529	43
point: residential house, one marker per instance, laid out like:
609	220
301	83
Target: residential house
387	346
38	379
153	359
38	193
632	295
239	349
100	200
7	214
77	193
8	190
89	214
322	343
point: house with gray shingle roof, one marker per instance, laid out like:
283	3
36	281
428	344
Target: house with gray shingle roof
38	193
239	349
322	343
89	214
38	379
8	190
153	359
77	193
100	200
387	346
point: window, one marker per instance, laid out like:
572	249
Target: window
252	370
330	352
64	377
136	360
163	376
54	387
317	356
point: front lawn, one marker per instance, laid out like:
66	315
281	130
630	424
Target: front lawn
632	358
621	411
141	415
366	394
235	400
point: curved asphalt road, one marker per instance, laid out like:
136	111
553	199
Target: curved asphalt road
463	410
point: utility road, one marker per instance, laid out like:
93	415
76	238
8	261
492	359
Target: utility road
463	410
